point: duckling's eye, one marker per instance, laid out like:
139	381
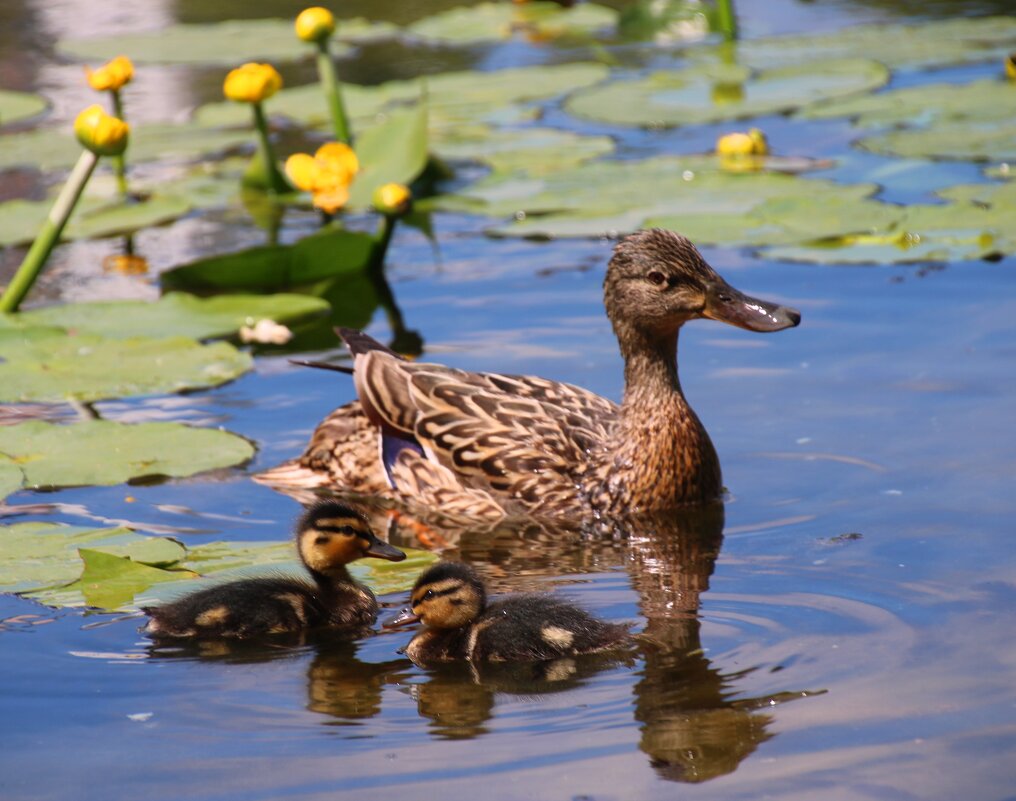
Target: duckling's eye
349	531
427	595
657	278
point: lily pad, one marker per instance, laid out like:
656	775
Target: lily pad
326	254
102	453
108	582
176	313
491	22
929	43
393	152
16	106
704	95
35	555
44	364
975	140
532	151
230	42
11	477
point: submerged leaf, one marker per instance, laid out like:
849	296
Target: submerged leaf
99	452
176	313
44	364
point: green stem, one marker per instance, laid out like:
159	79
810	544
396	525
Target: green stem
384	238
120	162
333	93
274	181
726	19
49	234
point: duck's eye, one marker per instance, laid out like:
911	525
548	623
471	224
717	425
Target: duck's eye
657	278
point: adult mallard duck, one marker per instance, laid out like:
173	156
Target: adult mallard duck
483	444
329	536
459	624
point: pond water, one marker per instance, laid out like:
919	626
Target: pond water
844	628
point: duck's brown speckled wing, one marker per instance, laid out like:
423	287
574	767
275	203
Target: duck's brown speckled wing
523	441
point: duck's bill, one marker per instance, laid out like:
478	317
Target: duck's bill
403	618
382	550
726	304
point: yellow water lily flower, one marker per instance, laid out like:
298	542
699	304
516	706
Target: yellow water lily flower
252	83
339	160
1010	66
111	76
326	175
331	200
752	143
392	199
99	132
315	24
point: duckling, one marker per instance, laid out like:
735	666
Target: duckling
451	601
487	445
329	536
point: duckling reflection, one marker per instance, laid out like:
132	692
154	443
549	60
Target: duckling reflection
345	688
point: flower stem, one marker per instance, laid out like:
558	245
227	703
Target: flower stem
726	19
49	234
120	162
333	93
272	179
384	238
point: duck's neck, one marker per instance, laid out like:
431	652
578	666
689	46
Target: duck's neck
334	581
661	456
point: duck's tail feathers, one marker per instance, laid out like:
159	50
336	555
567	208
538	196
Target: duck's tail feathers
359	342
338	368
291	475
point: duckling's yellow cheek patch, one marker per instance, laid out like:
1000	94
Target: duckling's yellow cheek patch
557	636
213	617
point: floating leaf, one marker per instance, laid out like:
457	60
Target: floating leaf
230	42
34	555
329	253
973	141
491	22
43	364
533	151
11	477
100	452
704	95
392	152
931	42
176	313
16	106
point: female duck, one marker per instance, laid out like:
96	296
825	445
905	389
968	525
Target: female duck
329	536
488	445
451	602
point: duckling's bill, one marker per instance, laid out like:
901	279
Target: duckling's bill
382	550
405	617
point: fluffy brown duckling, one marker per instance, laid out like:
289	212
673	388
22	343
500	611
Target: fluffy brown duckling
451	602
329	536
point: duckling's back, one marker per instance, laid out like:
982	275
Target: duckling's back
259	607
532	627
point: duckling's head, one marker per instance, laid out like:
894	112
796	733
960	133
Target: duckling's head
657	281
331	534
448	595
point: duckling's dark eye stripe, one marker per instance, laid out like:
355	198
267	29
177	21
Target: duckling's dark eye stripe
432	593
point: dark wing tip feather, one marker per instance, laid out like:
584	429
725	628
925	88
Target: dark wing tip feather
338	368
359	342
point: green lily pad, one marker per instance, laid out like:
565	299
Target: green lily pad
44	364
35	555
970	141
899	248
11	477
16	106
491	22
231	42
533	151
929	43
452	98
102	453
176	313
704	95
326	254
393	152
924	105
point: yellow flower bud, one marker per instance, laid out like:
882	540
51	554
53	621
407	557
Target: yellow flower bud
111	76
392	199
760	145
252	83
1010	66
315	24
735	144
303	170
102	134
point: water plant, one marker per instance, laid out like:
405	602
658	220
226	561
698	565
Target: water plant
315	25
111	77
254	83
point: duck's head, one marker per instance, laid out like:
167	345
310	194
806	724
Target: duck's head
657	281
331	534
446	596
